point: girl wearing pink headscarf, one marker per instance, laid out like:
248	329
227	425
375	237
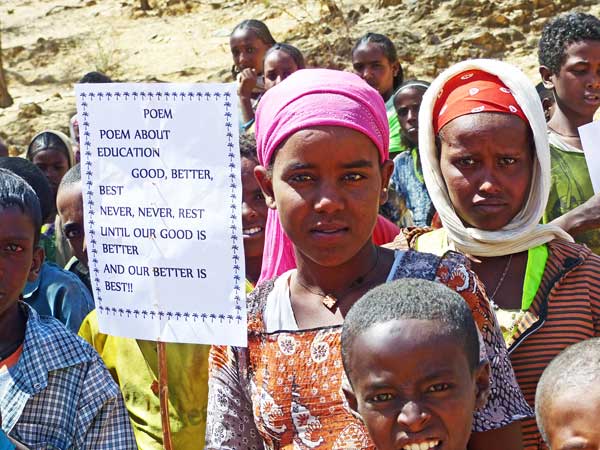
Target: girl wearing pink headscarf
322	141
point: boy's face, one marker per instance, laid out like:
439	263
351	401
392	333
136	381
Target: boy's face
413	386
571	419
69	203
254	211
407	104
20	259
577	84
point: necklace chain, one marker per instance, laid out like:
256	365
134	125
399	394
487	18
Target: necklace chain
330	300
501	280
563	135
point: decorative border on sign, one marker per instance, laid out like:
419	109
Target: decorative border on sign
234	172
238	277
89	167
160	96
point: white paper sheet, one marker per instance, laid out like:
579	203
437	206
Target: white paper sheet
162	201
590	139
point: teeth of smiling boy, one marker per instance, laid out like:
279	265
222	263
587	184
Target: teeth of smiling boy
421	446
252	230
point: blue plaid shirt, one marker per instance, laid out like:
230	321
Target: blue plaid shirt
60	395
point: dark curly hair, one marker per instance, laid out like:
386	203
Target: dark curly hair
35	178
15	192
248	147
95	77
563	31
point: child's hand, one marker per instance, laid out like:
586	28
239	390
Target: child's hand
247	80
583	218
592	211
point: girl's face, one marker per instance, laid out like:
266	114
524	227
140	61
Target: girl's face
407	103
248	50
487	163
254	211
372	65
278	66
54	164
327	185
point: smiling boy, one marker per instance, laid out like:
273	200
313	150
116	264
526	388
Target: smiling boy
410	350
254	211
54	390
569	56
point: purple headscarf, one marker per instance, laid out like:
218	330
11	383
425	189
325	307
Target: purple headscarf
312	98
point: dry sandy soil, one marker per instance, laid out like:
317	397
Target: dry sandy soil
49	44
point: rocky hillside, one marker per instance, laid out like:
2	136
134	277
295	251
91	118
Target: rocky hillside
48	44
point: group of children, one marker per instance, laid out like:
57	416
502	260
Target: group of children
483	175
449	338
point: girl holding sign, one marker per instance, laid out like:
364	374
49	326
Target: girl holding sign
322	139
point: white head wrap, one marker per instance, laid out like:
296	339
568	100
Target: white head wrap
524	230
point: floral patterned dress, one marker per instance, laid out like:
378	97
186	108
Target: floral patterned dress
284	391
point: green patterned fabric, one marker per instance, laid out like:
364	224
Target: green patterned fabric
570	187
395	141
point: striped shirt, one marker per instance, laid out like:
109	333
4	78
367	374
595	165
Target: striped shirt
60	395
566	310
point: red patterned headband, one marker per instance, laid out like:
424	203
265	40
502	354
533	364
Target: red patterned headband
473	92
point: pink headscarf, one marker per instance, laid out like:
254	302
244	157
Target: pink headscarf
311	98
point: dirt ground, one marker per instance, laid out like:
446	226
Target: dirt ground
49	44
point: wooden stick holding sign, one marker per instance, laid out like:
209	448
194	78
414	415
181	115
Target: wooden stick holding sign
163	393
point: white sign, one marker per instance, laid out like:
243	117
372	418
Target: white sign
590	139
162	193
